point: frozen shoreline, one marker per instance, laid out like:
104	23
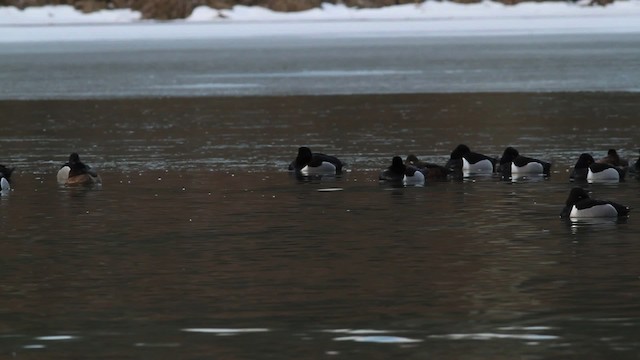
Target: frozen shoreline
63	23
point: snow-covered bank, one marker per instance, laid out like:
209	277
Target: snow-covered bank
63	23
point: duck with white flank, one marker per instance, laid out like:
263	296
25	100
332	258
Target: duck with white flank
399	173
580	205
75	172
5	178
308	163
514	164
587	169
431	171
463	159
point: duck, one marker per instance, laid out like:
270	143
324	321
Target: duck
614	159
581	168
605	172
432	171
75	172
512	163
463	159
5	178
588	169
309	163
398	173
580	205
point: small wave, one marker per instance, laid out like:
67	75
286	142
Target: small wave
491	336
379	339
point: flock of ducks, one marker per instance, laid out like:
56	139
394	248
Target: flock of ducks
73	173
464	162
413	172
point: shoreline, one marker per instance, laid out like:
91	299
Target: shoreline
428	19
162	10
269	98
321	29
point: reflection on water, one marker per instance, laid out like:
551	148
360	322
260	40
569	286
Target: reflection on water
200	244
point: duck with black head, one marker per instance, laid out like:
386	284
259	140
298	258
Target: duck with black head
514	164
400	174
430	170
308	163
467	161
580	205
581	168
588	169
5	178
75	172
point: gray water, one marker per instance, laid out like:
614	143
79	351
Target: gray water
320	66
201	245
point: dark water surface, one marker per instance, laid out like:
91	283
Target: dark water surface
201	245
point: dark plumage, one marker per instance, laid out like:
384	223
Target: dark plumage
307	158
399	173
395	172
581	168
431	171
6	172
579	204
5	178
587	168
463	152
522	163
75	172
614	159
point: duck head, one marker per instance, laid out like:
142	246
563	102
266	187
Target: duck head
304	157
584	161
397	166
460	151
577	194
455	161
509	155
5	172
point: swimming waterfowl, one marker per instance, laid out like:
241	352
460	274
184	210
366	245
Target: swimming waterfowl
580	205
5	178
588	169
581	168
605	172
512	163
308	163
431	171
614	159
75	172
399	173
463	159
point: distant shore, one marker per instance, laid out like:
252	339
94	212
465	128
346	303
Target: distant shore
180	9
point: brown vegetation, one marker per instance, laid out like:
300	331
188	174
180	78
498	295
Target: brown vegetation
178	9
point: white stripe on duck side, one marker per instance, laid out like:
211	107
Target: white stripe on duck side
482	166
609	174
416	179
4	185
63	174
325	168
580	205
529	168
601	210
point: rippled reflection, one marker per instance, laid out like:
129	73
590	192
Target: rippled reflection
200	243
